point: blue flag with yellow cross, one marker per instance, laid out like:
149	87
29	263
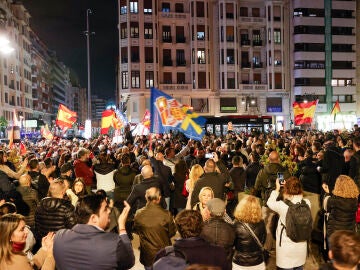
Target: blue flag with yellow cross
166	113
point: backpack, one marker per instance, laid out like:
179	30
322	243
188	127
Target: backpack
298	223
171	260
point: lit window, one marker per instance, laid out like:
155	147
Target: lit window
201	56
134	7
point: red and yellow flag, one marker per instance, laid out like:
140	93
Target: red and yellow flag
46	133
336	109
107	118
304	112
65	117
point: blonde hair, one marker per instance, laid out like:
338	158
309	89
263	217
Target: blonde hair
8	224
195	173
205	189
248	210
345	187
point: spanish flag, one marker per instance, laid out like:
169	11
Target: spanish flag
107	120
336	109
46	133
304	112
65	117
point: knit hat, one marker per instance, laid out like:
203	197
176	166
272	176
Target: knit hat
216	207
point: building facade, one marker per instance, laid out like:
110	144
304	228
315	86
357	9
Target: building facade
324	58
223	58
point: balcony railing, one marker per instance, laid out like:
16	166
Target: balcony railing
181	63
246	65
175	86
180	39
257	65
167	63
245	42
167	39
257	42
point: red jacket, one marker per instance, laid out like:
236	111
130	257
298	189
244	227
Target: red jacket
83	170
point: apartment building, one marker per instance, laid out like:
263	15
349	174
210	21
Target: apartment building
323	58
227	59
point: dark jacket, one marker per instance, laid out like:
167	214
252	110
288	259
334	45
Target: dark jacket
247	251
123	179
53	214
341	214
137	199
238	178
40	183
164	174
198	251
333	164
29	199
220	233
86	247
252	171
155	226
354	168
309	176
213	180
178	200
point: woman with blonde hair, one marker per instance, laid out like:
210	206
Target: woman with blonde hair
205	195
195	173
342	205
13	234
248	224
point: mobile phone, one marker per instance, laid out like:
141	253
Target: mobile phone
281	178
209	155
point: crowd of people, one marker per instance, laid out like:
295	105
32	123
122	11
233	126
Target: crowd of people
75	204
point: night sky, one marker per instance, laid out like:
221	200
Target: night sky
60	25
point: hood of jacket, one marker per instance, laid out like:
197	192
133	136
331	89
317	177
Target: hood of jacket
52	204
104	168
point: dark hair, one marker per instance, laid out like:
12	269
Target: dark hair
84	191
7	208
87	206
293	186
236	160
101	192
255	156
48	162
2	154
125	159
345	248
33	163
356	141
189	223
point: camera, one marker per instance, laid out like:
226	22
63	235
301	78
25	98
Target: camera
281	178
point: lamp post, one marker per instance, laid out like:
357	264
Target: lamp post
88	33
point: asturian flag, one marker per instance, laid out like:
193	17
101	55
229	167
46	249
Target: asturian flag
168	114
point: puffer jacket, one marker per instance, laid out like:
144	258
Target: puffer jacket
247	251
53	214
28	204
341	214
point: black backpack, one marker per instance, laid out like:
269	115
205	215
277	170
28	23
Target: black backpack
173	259
298	222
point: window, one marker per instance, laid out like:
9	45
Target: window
123	7
230	56
229	10
179	8
149	55
202	80
135	54
255	12
124	80
5	80
243	11
124	55
180	78
201	56
228	105
180	58
148	31
149	79
200	32
166	33
135	79
230	33
180	34
231	80
147	6
134	7
277	36
123	30
165	7
200	9
6	98
134	29
167	78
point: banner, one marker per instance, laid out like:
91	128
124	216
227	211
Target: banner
304	112
168	114
143	128
65	117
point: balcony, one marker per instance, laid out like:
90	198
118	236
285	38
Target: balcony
257	43
167	63
173	15
245	42
258	65
246	65
175	87
124	60
167	39
181	63
180	39
253	87
230	38
251	20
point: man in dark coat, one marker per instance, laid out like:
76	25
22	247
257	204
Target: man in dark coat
210	179
189	224
38	181
87	245
155	227
354	170
333	163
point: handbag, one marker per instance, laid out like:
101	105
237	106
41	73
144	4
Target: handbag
266	253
